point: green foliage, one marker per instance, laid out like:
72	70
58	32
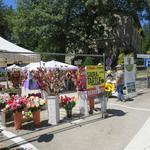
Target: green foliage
146	41
121	58
70	105
88	61
64	25
5	15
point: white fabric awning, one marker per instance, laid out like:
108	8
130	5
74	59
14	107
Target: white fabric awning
34	66
59	65
6	46
14	66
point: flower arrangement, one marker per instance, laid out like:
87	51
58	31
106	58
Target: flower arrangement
49	80
67	102
108	89
81	79
35	103
27	115
16	77
10	91
15	103
3	99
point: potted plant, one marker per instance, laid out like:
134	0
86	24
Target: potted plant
34	104
16	104
68	103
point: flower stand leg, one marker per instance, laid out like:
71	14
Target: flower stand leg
53	110
36	118
17	120
82	96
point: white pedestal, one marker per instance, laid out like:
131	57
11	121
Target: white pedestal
44	95
104	104
53	110
2	118
83	100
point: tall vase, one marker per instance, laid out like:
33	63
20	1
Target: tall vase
82	96
91	105
69	113
17	120
36	118
53	110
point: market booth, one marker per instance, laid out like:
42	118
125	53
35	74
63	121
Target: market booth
50	78
13	53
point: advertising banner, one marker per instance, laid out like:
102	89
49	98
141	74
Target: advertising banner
129	76
94	79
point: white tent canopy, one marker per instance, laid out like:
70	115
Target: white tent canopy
10	68
6	46
59	65
34	66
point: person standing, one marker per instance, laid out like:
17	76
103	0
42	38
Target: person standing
120	82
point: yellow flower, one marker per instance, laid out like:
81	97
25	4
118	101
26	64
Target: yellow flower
109	87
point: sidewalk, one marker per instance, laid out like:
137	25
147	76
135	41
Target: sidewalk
30	132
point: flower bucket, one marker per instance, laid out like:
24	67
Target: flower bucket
69	113
36	118
17	120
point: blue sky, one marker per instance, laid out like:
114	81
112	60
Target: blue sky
10	3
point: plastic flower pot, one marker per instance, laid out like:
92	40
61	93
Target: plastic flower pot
36	118
17	120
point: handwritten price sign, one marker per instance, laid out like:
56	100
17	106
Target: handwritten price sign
94	76
94	79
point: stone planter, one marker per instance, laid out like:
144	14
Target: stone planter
53	110
83	100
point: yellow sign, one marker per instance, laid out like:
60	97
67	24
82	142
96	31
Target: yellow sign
94	76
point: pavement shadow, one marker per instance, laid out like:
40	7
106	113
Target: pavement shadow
30	125
116	112
129	99
45	138
40	138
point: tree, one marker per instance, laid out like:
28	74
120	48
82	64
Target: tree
146	41
69	25
5	13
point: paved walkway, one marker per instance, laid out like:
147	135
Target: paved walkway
114	133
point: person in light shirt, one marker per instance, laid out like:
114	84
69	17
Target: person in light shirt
120	82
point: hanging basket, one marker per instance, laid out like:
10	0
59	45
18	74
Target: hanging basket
36	118
17	120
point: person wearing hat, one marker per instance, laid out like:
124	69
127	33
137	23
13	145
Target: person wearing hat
120	82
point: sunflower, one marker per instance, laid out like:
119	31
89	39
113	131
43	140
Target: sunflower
109	87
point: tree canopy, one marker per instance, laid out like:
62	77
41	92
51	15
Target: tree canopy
68	25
